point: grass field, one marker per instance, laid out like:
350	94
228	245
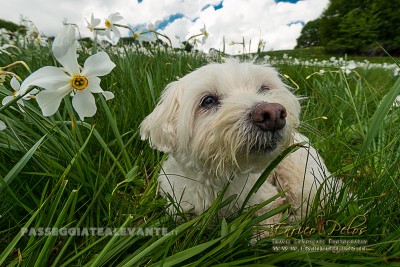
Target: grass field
60	172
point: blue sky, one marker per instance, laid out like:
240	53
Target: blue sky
276	22
167	20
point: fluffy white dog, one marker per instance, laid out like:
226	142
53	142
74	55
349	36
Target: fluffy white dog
224	123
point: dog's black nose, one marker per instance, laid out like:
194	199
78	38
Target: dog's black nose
269	116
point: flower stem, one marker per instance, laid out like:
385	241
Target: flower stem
163	35
194	36
10	74
13	65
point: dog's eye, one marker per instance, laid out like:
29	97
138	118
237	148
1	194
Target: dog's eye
209	101
264	88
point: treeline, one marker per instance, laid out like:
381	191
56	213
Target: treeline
356	27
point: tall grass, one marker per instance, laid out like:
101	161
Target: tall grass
60	172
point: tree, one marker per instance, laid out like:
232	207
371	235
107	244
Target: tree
310	35
357	32
356	26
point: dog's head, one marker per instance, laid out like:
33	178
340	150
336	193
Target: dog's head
224	118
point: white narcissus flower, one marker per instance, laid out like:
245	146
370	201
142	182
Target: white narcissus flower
15	85
93	23
110	27
205	34
82	83
41	41
142	36
2	125
396	102
152	27
349	67
137	33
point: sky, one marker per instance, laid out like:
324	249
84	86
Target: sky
276	22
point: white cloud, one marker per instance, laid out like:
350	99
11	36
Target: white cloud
251	19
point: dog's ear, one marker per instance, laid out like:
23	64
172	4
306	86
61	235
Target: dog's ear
160	126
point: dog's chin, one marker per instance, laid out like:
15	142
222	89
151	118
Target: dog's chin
263	143
263	149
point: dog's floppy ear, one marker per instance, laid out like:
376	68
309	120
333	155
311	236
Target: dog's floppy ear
160	126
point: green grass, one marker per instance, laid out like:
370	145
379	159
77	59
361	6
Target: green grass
59	172
320	54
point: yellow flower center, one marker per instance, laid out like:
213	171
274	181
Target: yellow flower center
108	23
205	33
135	35
79	82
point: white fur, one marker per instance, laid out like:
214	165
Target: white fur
211	147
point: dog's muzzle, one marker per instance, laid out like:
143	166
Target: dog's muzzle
269	116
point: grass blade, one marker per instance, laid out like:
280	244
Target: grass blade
21	164
377	119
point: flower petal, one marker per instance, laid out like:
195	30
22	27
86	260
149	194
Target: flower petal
107	33
108	95
15	84
115	30
64	49
49	100
84	104
50	78
94	84
3	126
7	99
115	17
33	92
94	21
98	64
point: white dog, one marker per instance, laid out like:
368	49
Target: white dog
224	123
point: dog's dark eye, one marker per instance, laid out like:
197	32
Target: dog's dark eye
264	88
209	101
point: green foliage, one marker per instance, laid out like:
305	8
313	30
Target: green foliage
355	27
357	32
310	35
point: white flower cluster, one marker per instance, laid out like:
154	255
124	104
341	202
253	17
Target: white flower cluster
70	80
333	62
142	34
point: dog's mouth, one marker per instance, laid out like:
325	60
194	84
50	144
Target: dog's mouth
264	142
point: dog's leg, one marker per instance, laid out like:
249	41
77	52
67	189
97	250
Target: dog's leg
300	175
